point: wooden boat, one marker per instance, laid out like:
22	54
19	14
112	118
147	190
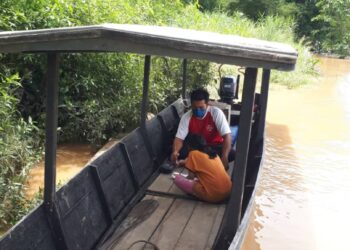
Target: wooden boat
120	198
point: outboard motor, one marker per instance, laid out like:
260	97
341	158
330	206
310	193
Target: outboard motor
229	89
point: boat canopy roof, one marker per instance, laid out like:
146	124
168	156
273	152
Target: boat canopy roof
153	40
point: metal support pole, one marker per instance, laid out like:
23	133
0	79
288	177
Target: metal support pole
184	78
263	104
232	216
52	212
145	88
51	129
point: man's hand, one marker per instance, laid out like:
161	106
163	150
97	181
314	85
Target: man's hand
177	145
226	147
174	156
225	162
181	163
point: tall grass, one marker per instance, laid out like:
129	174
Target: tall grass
18	152
270	28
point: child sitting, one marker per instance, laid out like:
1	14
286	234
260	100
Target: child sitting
211	182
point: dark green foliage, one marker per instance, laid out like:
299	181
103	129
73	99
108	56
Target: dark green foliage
305	24
253	9
324	24
335	31
211	5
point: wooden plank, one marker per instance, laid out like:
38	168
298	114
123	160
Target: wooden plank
175	224
116	179
142	231
171	228
199	227
85	223
216	226
82	213
156	138
32	232
140	158
163	41
164	182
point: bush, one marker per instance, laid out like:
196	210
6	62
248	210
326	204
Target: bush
335	32
18	152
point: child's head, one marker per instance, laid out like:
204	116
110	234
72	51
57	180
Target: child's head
197	142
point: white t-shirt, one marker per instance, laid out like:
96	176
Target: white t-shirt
218	117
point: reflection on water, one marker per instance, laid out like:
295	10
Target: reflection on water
302	199
71	158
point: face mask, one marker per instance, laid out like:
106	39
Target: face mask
198	112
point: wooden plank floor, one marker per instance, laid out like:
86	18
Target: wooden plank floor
171	228
176	223
164	183
142	231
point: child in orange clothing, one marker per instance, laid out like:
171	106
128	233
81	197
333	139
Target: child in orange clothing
212	183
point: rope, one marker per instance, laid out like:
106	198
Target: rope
146	242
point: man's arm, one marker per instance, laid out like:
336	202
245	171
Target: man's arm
226	147
177	145
180	136
225	131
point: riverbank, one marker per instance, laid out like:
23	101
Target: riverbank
333	56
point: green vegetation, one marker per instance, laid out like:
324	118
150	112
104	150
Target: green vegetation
19	149
335	31
324	24
100	95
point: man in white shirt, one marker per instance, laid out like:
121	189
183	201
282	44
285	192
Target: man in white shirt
207	121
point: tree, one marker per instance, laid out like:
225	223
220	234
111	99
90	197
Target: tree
256	9
335	31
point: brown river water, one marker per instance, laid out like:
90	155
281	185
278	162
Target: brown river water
71	158
302	200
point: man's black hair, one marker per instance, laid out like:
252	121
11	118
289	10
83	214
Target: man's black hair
199	95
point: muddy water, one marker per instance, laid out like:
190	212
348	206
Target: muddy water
71	158
302	200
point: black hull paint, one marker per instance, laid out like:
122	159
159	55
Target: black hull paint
240	235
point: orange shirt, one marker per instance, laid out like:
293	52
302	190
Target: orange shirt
214	182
